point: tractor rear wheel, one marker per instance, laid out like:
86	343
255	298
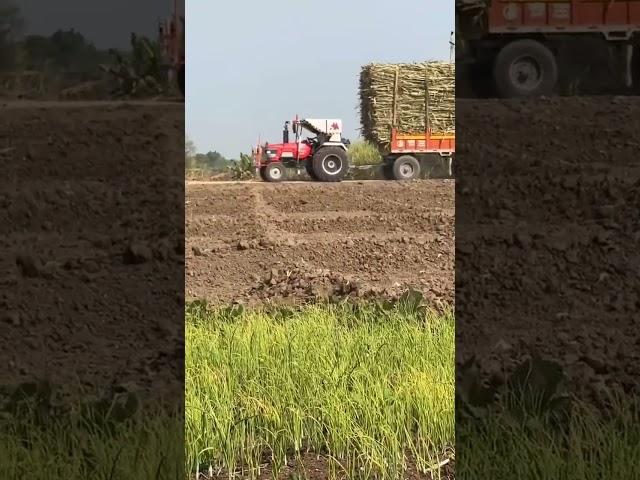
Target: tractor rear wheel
330	164
273	172
406	167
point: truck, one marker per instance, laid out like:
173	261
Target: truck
530	48
410	151
411	126
325	155
408	112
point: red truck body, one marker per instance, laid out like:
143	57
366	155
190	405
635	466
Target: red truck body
618	18
544	47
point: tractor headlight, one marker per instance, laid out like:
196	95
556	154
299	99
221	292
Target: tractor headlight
271	153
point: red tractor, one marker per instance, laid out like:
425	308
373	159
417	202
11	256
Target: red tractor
324	156
171	36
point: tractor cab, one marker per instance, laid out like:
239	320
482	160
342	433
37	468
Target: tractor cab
291	152
302	151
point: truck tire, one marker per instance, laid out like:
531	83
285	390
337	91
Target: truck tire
525	68
406	167
330	164
273	172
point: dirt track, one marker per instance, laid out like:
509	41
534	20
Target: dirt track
291	242
92	223
547	232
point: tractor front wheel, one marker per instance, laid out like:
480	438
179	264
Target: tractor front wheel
273	172
330	164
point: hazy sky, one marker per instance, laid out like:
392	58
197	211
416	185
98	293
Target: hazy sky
253	64
107	23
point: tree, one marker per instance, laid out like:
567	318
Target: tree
190	151
11	25
215	161
11	21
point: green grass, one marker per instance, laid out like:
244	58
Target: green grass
367	388
590	447
364	153
66	447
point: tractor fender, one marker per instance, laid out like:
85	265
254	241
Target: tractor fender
334	144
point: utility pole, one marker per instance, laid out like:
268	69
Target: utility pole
452	46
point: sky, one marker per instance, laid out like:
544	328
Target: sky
253	64
106	23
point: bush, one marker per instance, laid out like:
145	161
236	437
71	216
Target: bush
364	153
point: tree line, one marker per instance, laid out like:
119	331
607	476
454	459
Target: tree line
67	58
214	162
62	51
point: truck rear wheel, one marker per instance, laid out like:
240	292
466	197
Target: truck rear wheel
273	172
525	68
330	164
406	167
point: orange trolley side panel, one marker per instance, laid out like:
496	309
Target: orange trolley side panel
441	143
571	16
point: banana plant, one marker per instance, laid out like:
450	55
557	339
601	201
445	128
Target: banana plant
243	169
140	72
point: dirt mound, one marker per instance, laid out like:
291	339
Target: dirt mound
547	258
297	242
304	283
92	215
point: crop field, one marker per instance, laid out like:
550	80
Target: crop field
587	447
69	446
320	392
314	379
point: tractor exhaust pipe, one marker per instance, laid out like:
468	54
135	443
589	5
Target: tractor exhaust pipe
285	133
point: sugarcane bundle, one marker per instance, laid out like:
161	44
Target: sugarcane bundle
413	98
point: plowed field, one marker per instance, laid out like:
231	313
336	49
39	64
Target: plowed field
299	241
91	208
547	254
